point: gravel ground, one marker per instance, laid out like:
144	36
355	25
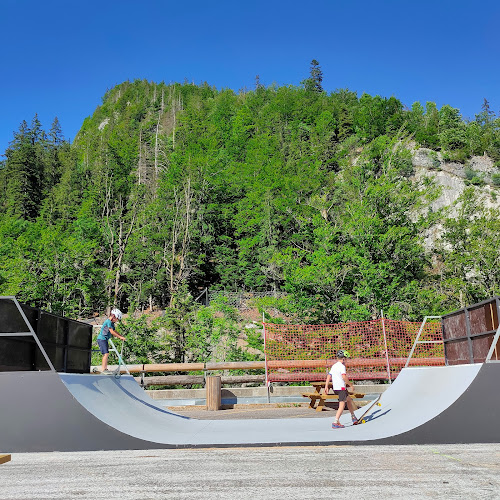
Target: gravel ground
364	472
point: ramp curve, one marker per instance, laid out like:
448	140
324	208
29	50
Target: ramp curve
46	411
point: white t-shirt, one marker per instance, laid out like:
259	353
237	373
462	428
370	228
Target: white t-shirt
336	372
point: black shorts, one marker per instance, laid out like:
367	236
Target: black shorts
342	394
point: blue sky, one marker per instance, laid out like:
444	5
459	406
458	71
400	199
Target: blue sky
58	58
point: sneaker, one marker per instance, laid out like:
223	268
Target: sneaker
355	421
106	372
337	425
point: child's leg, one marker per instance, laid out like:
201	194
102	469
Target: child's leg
352	408
103	347
350	405
340	410
105	361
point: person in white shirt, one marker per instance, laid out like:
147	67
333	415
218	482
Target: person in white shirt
340	382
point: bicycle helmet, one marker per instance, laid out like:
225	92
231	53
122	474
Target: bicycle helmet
343	354
117	314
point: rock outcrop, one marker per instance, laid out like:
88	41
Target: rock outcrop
453	178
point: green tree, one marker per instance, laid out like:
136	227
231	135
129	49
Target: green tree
451	128
469	253
173	188
369	255
427	135
23	171
315	80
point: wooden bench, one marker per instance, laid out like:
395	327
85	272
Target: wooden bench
322	398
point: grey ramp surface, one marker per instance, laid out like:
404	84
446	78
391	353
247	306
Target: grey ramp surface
418	396
66	412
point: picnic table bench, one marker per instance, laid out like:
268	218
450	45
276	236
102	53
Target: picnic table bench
322	398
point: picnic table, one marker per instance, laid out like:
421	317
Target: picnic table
322	398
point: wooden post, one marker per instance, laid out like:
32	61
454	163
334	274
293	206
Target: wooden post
213	388
265	357
386	350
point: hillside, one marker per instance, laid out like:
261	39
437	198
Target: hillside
345	204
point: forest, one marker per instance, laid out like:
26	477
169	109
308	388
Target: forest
169	189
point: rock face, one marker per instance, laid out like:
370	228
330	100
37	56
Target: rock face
103	124
453	178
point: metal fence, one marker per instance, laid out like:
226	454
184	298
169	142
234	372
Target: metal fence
242	299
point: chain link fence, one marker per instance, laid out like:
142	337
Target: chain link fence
241	300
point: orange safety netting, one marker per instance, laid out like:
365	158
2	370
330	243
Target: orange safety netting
379	349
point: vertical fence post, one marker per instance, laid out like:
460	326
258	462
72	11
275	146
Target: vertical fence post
265	358
213	390
386	350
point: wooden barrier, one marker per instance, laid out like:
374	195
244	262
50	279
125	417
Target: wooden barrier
236	365
199	379
276	364
174	367
172	380
163	367
285	367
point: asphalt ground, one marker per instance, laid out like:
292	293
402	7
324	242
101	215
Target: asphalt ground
302	472
361	472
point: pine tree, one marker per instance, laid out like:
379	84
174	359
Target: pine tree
56	137
314	82
486	116
489	139
53	163
24	169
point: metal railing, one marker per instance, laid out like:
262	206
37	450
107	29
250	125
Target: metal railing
417	341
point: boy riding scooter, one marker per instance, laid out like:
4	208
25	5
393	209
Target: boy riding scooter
108	329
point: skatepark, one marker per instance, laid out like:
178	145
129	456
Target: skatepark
85	412
450	413
94	412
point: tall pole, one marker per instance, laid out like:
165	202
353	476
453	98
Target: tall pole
386	350
265	359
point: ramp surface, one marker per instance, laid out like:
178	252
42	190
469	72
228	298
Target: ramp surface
47	411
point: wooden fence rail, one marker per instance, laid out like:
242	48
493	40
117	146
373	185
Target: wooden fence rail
199	379
281	365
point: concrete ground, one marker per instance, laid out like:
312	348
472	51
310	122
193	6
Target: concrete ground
361	472
285	410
